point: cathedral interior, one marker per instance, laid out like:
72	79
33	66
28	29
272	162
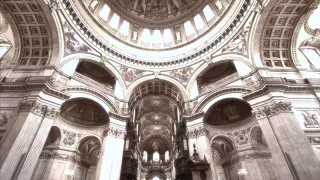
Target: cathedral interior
159	89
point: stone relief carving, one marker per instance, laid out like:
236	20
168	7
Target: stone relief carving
38	108
313	41
129	74
314	140
60	156
239	42
241	136
157	9
3	119
183	74
3	24
118	133
257	155
310	119
272	109
54	4
70	137
197	132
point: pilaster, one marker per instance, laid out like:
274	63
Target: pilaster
110	161
288	144
25	140
197	134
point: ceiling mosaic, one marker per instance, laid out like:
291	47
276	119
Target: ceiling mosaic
156	10
84	112
227	112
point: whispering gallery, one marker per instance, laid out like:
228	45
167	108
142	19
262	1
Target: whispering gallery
159	89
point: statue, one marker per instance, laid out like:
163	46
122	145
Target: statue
310	119
3	119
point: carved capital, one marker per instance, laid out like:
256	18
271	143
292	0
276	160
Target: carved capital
272	109
38	108
117	133
197	132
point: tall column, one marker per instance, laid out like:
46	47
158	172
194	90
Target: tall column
16	148
110	161
291	151
198	136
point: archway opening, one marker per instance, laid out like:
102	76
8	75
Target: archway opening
155	107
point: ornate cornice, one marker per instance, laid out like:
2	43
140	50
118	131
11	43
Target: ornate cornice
38	109
61	157
121	117
197	132
114	132
272	109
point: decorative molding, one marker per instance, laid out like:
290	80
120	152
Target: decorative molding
272	109
314	140
121	117
241	137
54	5
183	75
70	137
117	133
246	157
38	109
310	119
197	132
60	156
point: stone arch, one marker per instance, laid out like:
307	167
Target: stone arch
214	97
256	136
174	90
218	59
54	136
90	93
89	148
84	112
74	58
162	78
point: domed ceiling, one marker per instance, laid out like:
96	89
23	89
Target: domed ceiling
156	12
156	33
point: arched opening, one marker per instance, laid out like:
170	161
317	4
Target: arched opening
155	108
227	111
82	111
222	151
89	148
46	157
96	73
213	76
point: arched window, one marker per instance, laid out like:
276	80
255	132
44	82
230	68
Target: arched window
145	156
156	157
156	178
167	156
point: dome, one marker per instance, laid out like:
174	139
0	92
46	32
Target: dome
157	32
